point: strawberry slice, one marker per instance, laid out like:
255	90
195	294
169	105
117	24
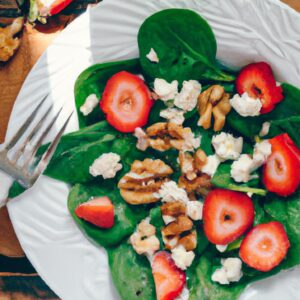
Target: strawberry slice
265	246
281	171
58	6
226	215
258	81
98	211
169	279
126	102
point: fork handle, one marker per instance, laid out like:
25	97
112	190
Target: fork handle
6	182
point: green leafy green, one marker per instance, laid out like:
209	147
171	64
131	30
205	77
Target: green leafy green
202	287
285	117
93	81
125	217
222	179
182	55
131	273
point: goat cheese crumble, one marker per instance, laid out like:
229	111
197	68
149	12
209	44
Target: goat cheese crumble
182	258
173	115
227	146
165	91
211	165
245	105
188	96
194	210
242	168
106	165
231	271
152	56
221	248
262	150
184	295
142	142
170	192
265	129
88	106
190	141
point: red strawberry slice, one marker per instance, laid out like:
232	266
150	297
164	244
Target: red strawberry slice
169	279
265	246
58	6
258	81
281	171
226	215
126	102
98	211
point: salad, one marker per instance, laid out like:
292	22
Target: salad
185	171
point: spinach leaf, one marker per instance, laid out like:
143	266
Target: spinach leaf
285	117
90	134
72	166
289	125
222	179
125	218
287	211
131	273
202	287
93	81
182	55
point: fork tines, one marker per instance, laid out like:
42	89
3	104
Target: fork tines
24	169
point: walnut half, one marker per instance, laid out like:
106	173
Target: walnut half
9	44
144	180
213	101
163	136
192	179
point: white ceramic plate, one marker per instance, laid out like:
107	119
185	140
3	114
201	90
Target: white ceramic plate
246	31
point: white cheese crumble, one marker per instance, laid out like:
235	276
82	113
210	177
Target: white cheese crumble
188	96
245	105
88	106
221	248
242	168
173	115
165	91
182	258
168	219
211	165
231	271
106	165
194	210
170	192
227	146
142	142
262	150
265	129
152	56
190	141
184	295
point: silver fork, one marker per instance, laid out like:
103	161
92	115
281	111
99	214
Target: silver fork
24	169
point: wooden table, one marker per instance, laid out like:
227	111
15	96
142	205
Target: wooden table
34	41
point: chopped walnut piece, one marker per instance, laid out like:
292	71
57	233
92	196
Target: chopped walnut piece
192	179
173	209
182	224
213	101
144	240
189	241
144	180
163	136
200	185
9	44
